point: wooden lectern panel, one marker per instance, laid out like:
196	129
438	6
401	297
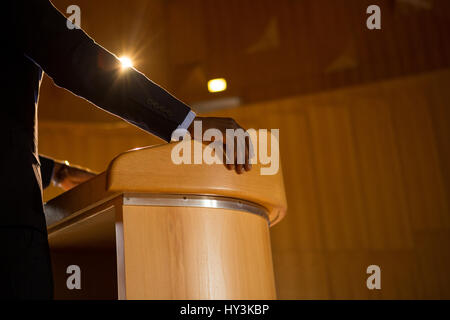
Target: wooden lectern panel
196	253
150	170
149	229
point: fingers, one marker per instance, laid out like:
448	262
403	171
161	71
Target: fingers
248	165
229	166
238	159
239	149
242	153
230	158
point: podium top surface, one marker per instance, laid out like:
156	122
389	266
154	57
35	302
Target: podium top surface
150	170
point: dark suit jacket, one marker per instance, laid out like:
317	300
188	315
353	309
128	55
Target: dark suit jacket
37	38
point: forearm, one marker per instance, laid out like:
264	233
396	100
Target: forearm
67	176
75	62
62	174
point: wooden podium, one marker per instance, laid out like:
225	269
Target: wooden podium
149	229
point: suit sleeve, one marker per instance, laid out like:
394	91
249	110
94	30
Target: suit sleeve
47	166
75	62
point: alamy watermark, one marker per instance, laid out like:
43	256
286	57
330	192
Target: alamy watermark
374	280
74	279
74	20
236	141
374	20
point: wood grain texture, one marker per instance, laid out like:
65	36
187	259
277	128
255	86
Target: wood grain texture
141	171
151	170
169	252
196	253
367	178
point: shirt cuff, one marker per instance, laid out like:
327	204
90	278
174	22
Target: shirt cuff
187	121
47	168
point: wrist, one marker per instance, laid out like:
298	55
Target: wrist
60	172
191	127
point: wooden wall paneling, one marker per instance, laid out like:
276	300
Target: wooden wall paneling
348	274
438	97
366	174
420	161
379	166
432	259
340	197
304	276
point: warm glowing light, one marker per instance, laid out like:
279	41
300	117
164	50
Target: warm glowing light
217	85
126	62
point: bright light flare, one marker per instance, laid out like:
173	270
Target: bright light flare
217	85
126	62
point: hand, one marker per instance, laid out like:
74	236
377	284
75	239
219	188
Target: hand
222	124
67	177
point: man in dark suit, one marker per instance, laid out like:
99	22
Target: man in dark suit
37	39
